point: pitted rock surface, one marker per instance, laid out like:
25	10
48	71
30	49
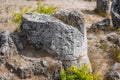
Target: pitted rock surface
6	76
103	6
7	46
101	25
114	38
115	13
26	67
17	40
114	73
57	35
72	18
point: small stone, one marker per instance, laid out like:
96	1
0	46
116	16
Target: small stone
103	41
44	63
113	37
102	25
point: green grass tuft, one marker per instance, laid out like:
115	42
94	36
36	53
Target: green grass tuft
41	8
74	73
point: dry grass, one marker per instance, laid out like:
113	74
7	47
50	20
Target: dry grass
101	59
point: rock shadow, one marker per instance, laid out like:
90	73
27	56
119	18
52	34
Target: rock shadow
26	49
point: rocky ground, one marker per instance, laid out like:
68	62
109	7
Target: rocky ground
100	58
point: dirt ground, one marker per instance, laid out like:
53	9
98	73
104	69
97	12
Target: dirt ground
101	61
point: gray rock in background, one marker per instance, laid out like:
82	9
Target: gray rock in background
114	73
101	25
63	37
103	6
7	46
115	13
6	76
72	18
114	38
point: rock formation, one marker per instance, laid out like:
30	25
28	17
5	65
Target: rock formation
114	72
115	13
55	41
101	25
6	76
103	6
17	40
63	36
26	67
7	46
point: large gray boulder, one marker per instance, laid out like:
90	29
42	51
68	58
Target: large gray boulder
115	13
62	36
102	6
